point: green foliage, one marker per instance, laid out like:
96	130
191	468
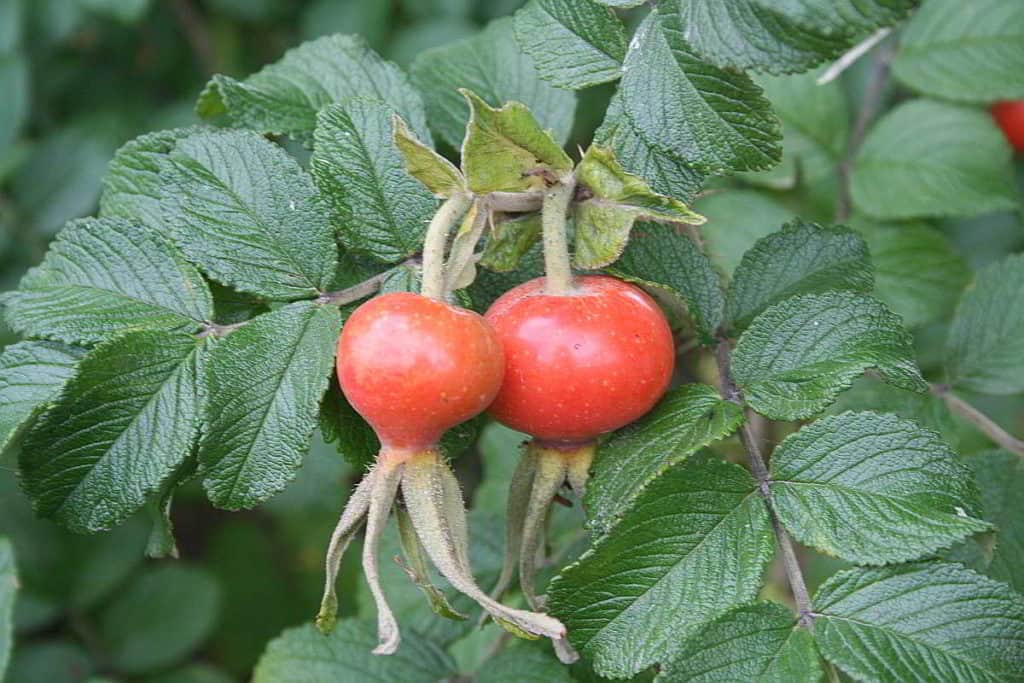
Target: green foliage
8	591
999	475
31	375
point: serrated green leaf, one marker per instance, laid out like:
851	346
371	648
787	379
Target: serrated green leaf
266	381
8	591
246	212
918	274
664	261
505	147
160	617
913	163
31	375
873	488
435	172
574	43
779	37
342	426
132	187
713	120
684	421
618	198
667	174
104	277
801	258
284	97
143	391
303	654
509	241
760	642
964	51
921	622
695	543
1000	476
736	220
492	66
377	207
522	663
798	355
986	340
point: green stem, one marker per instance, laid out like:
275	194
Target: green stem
557	269
436	241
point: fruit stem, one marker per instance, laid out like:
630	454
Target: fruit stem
557	269
435	242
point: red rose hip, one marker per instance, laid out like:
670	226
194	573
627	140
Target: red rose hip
1010	117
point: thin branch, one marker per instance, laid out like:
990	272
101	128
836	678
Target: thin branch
515	202
851	56
759	468
197	36
983	422
366	288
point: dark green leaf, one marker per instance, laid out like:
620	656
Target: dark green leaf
8	590
50	661
14	83
265	381
711	119
736	220
123	423
695	543
921	623
1000	476
522	663
574	43
31	375
108	276
686	420
246	212
509	241
491	65
798	355
192	673
378	208
759	642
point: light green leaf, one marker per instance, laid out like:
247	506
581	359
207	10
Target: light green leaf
159	618
695	543
108	276
509	241
873	488
670	265
921	623
986	340
435	172
574	43
759	643
713	120
8	591
964	51
285	97
249	215
31	375
503	146
801	258
914	163
1000	477
522	663
918	274
618	198
779	37
142	389
798	355
736	220
378	208
687	419
303	655
266	381
492	66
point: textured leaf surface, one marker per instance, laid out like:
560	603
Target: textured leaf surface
304	655
664	261
108	276
284	97
779	37
492	66
574	43
8	590
249	215
266	381
124	422
686	420
873	488
378	208
921	622
31	375
695	543
798	355
801	258
435	172
986	341
1000	477
758	642
712	119
964	51
914	163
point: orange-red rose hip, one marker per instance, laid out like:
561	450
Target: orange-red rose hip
1010	117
